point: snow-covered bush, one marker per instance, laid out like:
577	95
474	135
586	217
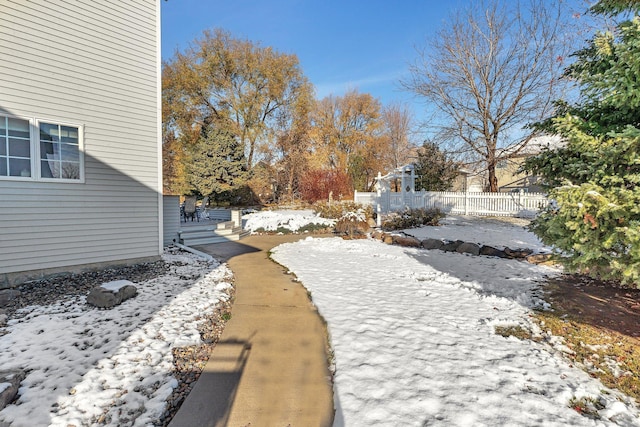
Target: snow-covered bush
337	210
353	224
410	218
285	221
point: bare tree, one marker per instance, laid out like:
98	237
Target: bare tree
493	69
398	123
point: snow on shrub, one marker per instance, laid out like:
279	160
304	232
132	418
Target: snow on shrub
337	210
353	224
410	218
285	221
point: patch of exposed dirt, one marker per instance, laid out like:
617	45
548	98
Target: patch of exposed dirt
597	303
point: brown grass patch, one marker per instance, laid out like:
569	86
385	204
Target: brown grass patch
600	325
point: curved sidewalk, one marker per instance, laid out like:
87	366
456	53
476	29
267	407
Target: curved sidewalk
270	367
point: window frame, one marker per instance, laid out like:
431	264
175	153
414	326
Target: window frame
35	151
36	140
7	154
502	164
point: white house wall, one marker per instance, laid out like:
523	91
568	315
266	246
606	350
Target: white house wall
92	63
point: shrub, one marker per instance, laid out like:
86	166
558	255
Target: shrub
410	218
337	210
353	224
318	184
314	228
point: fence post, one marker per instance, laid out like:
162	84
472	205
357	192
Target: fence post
466	202
236	217
520	196
379	201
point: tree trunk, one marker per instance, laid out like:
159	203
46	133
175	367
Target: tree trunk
493	179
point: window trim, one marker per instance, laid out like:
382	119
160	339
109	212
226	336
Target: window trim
502	164
36	140
34	145
30	124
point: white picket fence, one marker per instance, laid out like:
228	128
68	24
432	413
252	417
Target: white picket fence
520	204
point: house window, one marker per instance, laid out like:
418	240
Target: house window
59	151
46	150
15	147
502	164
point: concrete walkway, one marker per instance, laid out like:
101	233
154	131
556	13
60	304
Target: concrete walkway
270	367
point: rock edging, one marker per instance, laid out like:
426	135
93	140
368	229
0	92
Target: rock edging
461	246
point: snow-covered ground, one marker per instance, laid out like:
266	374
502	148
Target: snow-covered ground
413	334
84	363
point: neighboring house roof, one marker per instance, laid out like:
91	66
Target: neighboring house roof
535	145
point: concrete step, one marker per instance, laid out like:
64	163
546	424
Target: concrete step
196	234
192	226
207	234
211	240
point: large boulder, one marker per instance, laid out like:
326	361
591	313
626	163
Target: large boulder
517	253
407	241
430	243
539	258
451	246
110	294
377	235
468	248
491	251
9	384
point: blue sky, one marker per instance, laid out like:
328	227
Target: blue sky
341	45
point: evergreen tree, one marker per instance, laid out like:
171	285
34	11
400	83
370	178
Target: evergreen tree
217	164
594	181
435	170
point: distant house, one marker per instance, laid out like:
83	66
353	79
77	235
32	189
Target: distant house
473	177
510	180
80	175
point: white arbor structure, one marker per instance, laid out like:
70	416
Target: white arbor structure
516	204
407	176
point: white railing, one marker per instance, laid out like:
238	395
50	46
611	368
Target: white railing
520	204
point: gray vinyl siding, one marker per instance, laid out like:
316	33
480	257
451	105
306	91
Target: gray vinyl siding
91	63
171	223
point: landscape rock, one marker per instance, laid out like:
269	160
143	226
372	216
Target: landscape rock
451	246
408	241
491	251
469	248
539	258
110	294
9	385
432	243
377	235
517	253
8	295
3	319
